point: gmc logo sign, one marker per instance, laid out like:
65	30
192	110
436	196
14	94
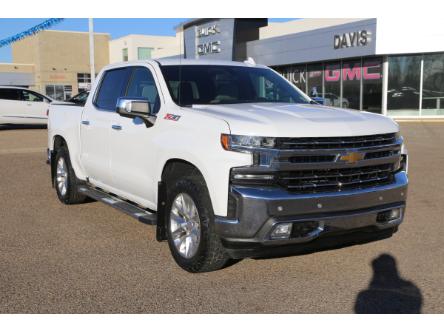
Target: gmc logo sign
352	39
207	48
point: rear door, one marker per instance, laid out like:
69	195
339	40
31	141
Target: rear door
11	106
95	127
35	106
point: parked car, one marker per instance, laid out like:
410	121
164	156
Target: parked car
228	160
23	106
331	99
79	99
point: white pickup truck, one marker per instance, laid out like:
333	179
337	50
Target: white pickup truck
228	160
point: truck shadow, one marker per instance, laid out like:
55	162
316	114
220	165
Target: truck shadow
387	291
7	127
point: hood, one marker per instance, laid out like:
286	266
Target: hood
298	120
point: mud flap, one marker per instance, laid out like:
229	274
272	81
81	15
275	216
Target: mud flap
161	234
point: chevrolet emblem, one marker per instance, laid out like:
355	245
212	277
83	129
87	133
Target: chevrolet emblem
352	157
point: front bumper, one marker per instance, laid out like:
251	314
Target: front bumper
259	209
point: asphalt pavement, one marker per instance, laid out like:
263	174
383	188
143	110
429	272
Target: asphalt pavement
91	258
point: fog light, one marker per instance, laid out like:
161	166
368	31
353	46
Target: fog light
281	231
389	215
304	229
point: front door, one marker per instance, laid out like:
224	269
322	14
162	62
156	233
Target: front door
132	153
96	122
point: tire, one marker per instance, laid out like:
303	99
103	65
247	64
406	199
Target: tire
67	194
209	254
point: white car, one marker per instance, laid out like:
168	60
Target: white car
23	106
228	160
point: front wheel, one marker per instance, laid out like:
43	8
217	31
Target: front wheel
191	237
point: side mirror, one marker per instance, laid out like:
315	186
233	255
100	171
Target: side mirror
136	107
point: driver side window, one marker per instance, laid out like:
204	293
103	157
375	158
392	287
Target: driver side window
142	85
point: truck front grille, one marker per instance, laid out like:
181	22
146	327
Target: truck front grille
337	142
315	165
328	180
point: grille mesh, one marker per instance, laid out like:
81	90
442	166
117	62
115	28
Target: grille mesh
336	142
327	180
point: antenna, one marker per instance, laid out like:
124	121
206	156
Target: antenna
250	61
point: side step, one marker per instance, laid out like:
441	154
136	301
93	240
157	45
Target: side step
133	210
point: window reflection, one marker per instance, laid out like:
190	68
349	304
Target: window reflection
403	85
433	85
372	85
315	77
296	75
332	85
351	84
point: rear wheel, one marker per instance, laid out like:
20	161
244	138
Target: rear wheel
65	180
190	226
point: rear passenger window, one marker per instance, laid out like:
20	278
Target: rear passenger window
142	85
31	97
112	87
10	94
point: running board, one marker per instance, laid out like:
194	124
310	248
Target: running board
132	210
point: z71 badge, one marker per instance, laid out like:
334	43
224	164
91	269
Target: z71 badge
170	116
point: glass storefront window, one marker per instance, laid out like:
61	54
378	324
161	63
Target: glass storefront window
433	85
403	85
372	85
332	85
357	84
295	74
314	83
351	84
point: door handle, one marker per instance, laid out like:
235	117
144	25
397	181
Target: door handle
116	127
85	122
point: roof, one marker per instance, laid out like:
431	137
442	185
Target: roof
13	87
185	62
182	62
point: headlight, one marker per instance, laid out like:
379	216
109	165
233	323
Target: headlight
245	143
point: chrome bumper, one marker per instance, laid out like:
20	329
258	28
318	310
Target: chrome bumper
259	209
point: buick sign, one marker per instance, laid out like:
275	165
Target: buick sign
352	39
207	31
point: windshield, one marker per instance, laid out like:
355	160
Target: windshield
213	84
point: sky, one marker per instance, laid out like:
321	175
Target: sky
116	27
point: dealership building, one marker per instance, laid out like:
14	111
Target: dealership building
364	64
384	66
55	63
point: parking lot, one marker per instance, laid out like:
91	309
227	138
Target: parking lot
90	258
